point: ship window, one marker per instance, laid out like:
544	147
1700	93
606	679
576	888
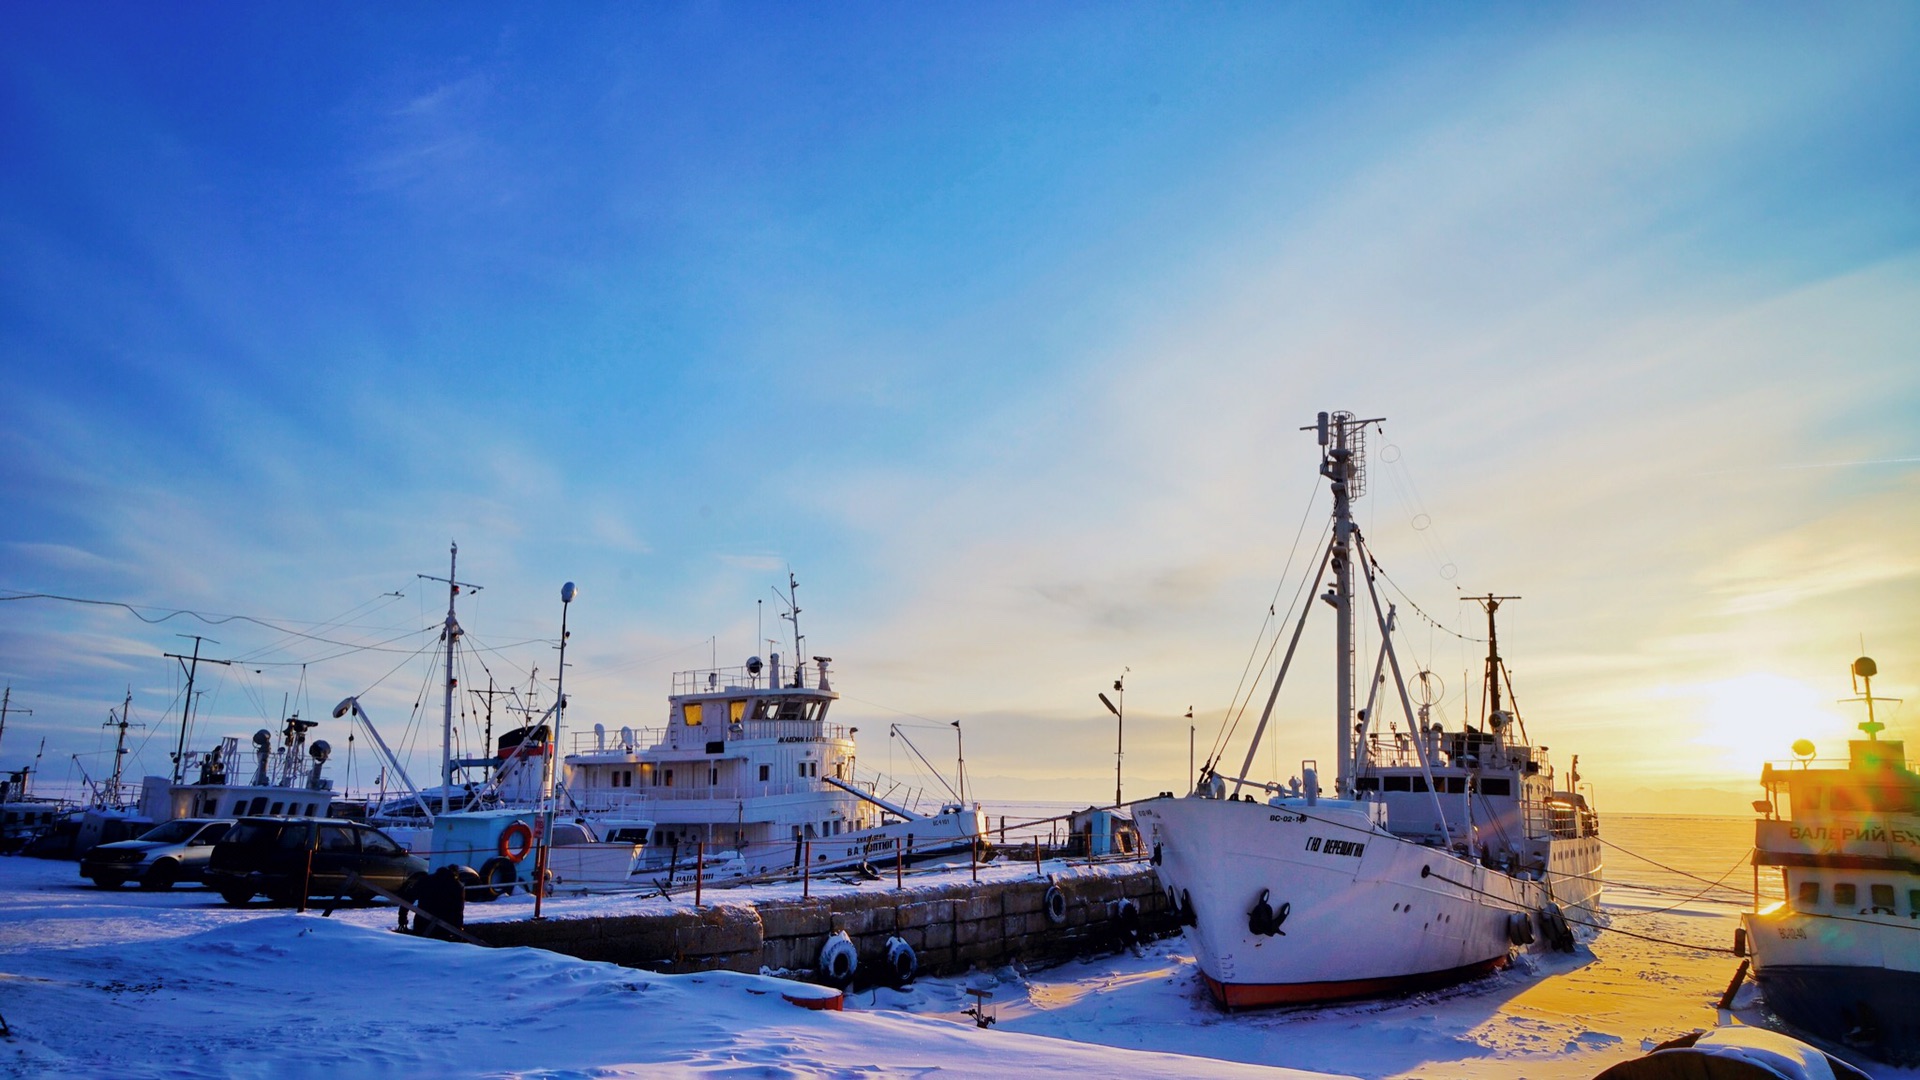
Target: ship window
713	775
1397	783
736	711
260	804
763	773
1846	799
1846	894
1889	800
1496	785
669	775
1809	895
1913	903
277	808
691	710
1456	785
1367	783
803	768
1419	782
1882	898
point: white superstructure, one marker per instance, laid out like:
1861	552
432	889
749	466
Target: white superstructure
1438	853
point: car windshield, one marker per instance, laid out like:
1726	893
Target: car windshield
173	832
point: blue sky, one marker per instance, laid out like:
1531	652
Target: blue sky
996	324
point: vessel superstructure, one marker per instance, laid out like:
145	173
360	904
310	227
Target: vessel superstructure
1839	958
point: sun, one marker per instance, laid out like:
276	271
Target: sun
1754	718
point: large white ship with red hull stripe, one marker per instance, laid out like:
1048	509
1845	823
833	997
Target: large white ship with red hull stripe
1436	854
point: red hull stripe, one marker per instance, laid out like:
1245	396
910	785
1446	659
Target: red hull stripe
1252	995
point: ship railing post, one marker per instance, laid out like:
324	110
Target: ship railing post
699	869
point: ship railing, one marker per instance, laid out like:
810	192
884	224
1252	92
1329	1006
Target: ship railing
720	680
601	801
696	738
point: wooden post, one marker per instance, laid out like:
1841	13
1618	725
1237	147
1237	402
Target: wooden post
806	870
899	865
973	858
1036	854
699	869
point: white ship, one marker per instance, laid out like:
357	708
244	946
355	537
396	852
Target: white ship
749	777
1840	957
1438	853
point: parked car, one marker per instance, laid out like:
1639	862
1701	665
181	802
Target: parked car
281	857
167	853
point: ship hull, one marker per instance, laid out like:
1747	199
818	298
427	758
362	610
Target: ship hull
1359	911
1850	981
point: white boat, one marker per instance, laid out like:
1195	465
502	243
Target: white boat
749	777
1840	957
1437	854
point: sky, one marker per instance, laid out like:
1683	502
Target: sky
997	326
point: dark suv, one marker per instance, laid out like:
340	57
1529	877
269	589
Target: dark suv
282	856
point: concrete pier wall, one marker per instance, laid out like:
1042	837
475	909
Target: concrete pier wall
952	928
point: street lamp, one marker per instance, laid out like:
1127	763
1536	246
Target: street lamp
567	593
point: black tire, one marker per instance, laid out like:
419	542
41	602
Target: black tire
161	875
497	878
236	895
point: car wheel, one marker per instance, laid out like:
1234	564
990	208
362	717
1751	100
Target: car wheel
161	875
236	895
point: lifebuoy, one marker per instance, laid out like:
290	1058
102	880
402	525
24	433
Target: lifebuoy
901	959
838	960
1055	905
515	841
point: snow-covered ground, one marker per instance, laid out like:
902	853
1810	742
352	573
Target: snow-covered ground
131	984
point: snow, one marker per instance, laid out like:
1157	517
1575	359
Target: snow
133	984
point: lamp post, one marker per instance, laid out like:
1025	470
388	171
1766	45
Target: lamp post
1120	731
567	593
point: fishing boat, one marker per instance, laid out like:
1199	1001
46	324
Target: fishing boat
749	777
1437	853
1839	958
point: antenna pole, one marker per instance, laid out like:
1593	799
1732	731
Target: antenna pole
6	701
192	664
1492	604
450	633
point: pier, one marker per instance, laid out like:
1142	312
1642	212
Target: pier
951	925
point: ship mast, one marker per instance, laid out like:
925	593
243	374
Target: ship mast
450	633
1343	463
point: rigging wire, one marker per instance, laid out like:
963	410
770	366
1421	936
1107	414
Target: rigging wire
210	620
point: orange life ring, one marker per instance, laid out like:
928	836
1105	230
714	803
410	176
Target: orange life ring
516	841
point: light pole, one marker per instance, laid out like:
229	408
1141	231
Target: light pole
1120	731
553	754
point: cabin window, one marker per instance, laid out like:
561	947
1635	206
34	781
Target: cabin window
1397	783
1456	785
669	777
1809	896
1846	894
1367	783
1882	898
1496	785
1419	783
260	804
277	807
736	711
803	768
691	710
713	775
764	769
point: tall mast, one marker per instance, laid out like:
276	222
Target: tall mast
450	634
119	747
1343	463
6	702
1492	604
186	699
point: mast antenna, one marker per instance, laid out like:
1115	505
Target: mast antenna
186	699
449	633
6	702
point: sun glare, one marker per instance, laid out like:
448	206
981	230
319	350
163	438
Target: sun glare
1754	718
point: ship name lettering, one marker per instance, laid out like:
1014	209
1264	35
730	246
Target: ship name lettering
1286	817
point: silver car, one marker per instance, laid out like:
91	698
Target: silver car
167	853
